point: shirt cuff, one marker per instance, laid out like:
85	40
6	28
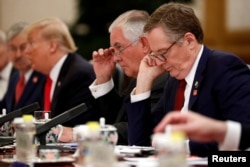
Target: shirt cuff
187	147
101	89
60	132
139	97
232	138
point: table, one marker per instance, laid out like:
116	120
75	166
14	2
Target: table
9	153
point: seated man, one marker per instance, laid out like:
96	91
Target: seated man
126	51
51	50
26	85
217	83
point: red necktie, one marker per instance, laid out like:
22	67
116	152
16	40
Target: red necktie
47	94
179	98
19	88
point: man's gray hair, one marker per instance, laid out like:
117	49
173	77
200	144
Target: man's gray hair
132	23
15	30
2	37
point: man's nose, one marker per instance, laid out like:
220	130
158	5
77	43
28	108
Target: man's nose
27	49
116	58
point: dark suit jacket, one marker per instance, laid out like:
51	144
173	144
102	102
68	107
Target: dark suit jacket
13	70
72	89
112	107
245	136
32	92
220	90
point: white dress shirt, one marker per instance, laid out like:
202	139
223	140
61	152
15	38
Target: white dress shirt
27	75
232	138
54	73
5	77
101	89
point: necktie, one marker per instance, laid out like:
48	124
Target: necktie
47	94
179	97
19	88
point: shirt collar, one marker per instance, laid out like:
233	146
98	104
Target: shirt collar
190	77
5	74
54	73
27	75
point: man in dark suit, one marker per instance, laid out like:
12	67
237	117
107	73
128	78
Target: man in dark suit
6	67
51	50
230	135
218	83
33	81
126	51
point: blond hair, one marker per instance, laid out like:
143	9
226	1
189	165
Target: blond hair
54	29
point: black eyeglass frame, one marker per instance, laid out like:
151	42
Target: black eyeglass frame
160	56
118	52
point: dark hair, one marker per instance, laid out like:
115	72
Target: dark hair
177	19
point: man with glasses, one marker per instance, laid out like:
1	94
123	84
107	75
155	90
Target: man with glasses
26	85
127	50
217	83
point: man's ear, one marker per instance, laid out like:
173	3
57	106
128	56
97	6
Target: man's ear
53	46
145	44
190	38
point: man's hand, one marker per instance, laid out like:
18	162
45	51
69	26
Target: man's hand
104	64
148	72
66	135
196	126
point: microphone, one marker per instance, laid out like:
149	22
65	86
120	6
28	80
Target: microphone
19	112
6	140
42	129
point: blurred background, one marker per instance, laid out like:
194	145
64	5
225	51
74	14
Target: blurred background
225	22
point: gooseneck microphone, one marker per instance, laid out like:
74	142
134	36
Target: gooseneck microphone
42	129
19	112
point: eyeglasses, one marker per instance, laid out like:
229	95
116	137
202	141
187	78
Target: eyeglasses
117	52
161	56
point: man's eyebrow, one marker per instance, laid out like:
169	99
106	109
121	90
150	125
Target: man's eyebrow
116	44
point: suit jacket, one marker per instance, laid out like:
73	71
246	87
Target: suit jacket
245	136
32	92
112	107
72	89
13	70
220	90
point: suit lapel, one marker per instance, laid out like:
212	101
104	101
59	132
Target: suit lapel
198	77
61	80
57	89
10	96
29	88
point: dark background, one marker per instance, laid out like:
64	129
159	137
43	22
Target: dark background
91	28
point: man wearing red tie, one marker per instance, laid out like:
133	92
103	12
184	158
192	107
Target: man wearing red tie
51	50
217	83
26	85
